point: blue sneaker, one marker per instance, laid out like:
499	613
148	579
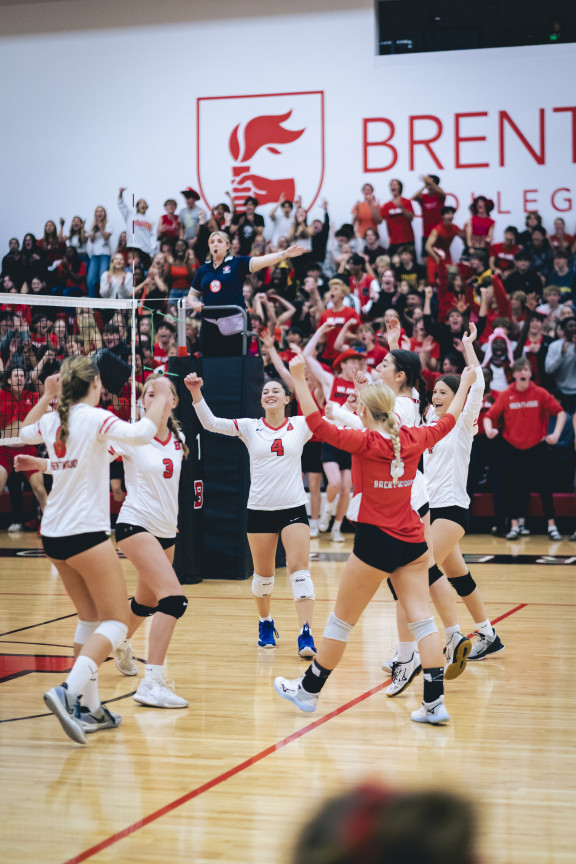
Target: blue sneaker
266	634
306	647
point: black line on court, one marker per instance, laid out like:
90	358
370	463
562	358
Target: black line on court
41	624
49	713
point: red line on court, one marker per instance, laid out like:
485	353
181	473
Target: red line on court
216	781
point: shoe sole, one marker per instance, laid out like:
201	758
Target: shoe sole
267	645
459	661
488	654
141	701
123	671
70	726
406	684
432	721
302	706
307	652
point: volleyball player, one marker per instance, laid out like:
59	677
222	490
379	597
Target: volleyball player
276	503
146	533
76	524
446	471
389	538
337	387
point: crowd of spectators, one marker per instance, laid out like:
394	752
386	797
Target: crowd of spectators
352	278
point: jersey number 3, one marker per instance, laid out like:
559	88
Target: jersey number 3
168	468
277	447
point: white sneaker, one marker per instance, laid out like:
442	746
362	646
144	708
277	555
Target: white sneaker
294	692
403	674
336	536
314	530
15	526
324	520
159	694
456	655
431	712
124	660
388	665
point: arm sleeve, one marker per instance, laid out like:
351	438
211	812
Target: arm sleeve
221	425
554	357
428	436
552	405
134	434
31	434
123	207
473	404
344	417
351	440
497	409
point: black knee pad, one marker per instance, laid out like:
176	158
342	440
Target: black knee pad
463	585
434	573
140	610
174	606
392	591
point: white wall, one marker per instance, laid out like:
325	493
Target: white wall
86	111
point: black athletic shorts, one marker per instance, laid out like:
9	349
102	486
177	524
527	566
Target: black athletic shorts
124	530
312	458
423	510
332	454
62	548
460	515
273	521
378	549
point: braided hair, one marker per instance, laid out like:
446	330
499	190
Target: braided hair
379	400
172	423
76	376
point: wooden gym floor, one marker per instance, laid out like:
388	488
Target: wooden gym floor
231	778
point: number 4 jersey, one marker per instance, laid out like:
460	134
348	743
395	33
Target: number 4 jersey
152	475
275	457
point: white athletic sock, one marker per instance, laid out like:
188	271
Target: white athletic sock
314	523
268	618
153	673
406	650
449	631
90	696
84	668
337	524
486	629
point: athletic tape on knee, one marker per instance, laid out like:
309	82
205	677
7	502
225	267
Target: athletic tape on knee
84	629
434	573
391	587
140	610
463	585
337	629
114	631
262	587
175	605
302	585
423	628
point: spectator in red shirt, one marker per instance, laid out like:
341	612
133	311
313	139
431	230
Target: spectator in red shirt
431	198
480	228
398	215
336	316
502	254
438	242
560	239
524	410
165	337
70	278
169	224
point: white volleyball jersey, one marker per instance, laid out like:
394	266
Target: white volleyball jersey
446	464
275	457
152	478
80	498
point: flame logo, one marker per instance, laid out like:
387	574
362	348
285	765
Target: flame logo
261	132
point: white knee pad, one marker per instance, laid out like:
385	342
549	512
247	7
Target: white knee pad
114	631
262	587
337	629
84	629
302	585
423	628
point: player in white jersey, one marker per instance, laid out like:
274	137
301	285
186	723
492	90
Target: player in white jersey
76	527
146	533
446	470
276	503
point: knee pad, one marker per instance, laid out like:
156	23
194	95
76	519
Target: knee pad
302	585
140	610
434	573
463	585
262	587
174	605
84	629
423	628
391	587
114	631
337	629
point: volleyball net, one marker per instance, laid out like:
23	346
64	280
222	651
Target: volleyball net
128	339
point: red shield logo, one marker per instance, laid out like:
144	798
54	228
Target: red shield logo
265	146
215	286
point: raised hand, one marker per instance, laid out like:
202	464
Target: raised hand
193	383
52	385
470	335
297	367
361	379
294	251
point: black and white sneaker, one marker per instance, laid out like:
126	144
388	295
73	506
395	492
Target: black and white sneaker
455	654
403	674
485	646
554	534
102	718
67	710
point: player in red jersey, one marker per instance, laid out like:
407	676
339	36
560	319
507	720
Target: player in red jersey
389	538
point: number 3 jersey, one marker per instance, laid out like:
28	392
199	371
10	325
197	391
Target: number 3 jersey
152	476
275	457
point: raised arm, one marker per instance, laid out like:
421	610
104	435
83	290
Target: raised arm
221	425
276	360
259	262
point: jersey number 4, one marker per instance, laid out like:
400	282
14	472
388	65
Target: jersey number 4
277	447
168	468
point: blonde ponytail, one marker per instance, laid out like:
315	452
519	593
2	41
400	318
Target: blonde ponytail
76	375
379	400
